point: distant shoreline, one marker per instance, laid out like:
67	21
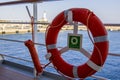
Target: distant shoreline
21	29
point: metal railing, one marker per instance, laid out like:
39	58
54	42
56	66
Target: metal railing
31	1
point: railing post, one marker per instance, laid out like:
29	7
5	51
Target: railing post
35	29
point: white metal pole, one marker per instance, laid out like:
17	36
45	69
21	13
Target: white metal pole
35	29
35	21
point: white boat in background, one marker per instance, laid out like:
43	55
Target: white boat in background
15	71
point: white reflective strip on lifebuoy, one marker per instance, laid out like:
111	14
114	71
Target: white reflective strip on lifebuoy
100	39
69	16
75	73
93	65
52	46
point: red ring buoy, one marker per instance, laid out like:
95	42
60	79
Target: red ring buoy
99	34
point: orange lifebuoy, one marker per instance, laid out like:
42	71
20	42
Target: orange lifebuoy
34	56
99	34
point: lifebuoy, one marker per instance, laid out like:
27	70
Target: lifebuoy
100	49
30	45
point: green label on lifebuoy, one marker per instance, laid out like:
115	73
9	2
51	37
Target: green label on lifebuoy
74	42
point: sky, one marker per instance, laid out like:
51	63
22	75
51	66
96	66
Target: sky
107	10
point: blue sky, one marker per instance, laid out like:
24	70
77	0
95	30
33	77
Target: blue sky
107	10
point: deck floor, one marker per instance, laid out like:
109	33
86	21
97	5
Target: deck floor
9	74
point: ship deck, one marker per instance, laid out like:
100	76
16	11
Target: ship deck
10	74
14	71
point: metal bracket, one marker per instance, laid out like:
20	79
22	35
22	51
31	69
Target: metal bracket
1	58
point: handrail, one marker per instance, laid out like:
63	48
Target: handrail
113	54
16	58
8	22
47	23
4	55
23	1
20	41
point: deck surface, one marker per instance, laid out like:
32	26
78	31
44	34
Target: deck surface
9	74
